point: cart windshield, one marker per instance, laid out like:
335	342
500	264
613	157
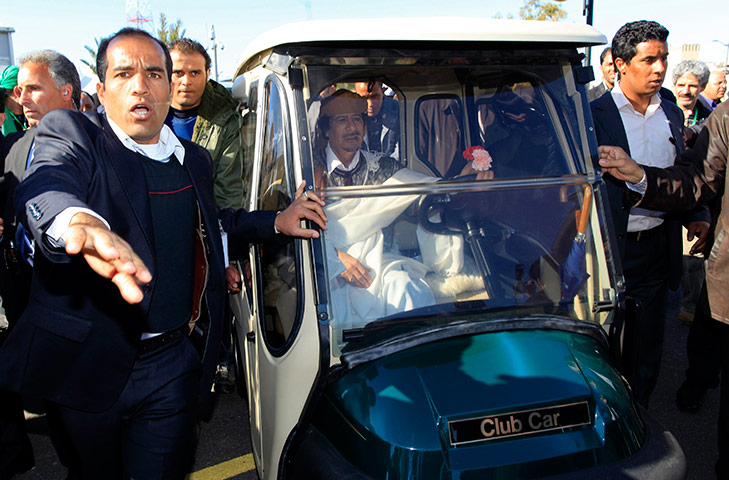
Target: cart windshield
461	191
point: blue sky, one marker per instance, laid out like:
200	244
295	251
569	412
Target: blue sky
69	25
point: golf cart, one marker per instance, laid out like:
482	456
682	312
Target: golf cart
483	342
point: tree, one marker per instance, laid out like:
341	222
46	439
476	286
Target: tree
541	10
92	54
169	33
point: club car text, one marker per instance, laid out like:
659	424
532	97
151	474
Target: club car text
527	422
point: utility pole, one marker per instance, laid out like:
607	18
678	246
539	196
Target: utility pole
588	7
214	48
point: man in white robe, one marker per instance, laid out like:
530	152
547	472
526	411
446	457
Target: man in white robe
368	279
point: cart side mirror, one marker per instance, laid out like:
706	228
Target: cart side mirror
240	90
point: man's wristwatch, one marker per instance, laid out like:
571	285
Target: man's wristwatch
639	187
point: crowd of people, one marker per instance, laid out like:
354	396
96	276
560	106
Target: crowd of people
112	179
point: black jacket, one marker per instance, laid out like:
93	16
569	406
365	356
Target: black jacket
77	341
610	131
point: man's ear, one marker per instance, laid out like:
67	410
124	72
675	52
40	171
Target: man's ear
619	64
16	91
207	74
100	92
67	92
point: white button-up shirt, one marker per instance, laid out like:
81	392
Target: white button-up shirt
333	161
651	143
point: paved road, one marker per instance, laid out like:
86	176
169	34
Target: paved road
225	445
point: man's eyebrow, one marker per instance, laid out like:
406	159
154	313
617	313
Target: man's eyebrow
147	68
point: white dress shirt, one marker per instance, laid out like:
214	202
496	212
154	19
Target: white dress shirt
651	144
333	161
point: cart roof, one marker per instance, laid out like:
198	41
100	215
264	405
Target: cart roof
424	29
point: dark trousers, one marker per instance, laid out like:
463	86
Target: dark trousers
704	346
16	451
722	465
150	432
645	268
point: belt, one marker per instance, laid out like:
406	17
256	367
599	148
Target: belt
643	235
153	343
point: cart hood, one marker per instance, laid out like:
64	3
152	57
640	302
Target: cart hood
410	398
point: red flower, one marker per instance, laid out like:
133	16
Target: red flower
468	153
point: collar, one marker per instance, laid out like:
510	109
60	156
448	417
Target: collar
161	151
190	112
708	103
622	102
333	161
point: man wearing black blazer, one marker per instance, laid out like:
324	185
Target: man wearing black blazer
46	81
608	76
634	116
118	196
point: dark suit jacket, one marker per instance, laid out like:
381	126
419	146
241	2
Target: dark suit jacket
702	112
610	131
596	92
15	162
77	341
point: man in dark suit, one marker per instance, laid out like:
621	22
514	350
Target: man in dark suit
46	81
714	90
119	196
608	76
636	118
383	119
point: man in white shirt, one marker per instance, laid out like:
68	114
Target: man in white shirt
635	117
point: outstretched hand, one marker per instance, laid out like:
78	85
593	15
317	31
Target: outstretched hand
107	254
306	206
617	163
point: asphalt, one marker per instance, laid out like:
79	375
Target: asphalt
696	432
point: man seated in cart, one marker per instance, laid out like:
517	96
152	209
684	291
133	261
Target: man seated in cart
370	279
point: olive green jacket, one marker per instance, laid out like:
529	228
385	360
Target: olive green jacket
217	129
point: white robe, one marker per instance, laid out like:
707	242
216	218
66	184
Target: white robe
355	227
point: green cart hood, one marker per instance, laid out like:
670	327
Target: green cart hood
399	408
